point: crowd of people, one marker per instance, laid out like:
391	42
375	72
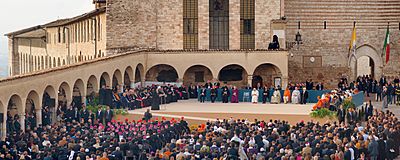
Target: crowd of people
79	133
158	138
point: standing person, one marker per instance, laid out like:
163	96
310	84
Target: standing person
373	148
202	95
378	91
225	95
85	114
99	116
341	113
254	96
296	96
155	99
108	115
304	96
369	110
213	94
286	95
235	95
384	98
147	115
397	92
265	94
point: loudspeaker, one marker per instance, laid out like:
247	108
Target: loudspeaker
1	117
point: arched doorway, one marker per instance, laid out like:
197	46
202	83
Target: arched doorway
117	80
266	74
233	75
365	66
91	89
105	80
138	73
49	103
367	60
78	93
162	73
197	74
15	115
128	75
64	96
3	122
33	110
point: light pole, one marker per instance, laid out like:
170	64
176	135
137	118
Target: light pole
68	45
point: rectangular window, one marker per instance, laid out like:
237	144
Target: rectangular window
59	35
190	24
219	24
247	29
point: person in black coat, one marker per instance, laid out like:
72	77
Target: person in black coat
304	96
382	147
117	154
85	114
202	95
265	95
341	113
369	110
108	115
147	115
214	93
225	95
155	98
99	116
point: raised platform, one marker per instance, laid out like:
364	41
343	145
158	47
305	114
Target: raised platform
197	113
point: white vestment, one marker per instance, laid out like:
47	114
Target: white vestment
276	97
254	96
296	96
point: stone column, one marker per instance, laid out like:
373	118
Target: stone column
38	116
4	126
285	81
132	83
22	120
250	80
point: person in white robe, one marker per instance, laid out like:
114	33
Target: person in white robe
254	96
296	96
276	97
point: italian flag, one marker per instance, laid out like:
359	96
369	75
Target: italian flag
386	45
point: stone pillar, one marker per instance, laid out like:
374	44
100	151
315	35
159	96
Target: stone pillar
54	111
285	81
132	83
38	116
234	24
250	80
203	24
4	127
22	120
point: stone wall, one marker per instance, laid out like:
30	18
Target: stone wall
170	24
132	23
331	45
265	12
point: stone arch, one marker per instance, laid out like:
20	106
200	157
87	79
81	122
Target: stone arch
32	102
64	94
79	92
92	85
233	74
15	106
162	73
139	72
128	75
197	74
105	80
16	109
371	52
117	78
33	107
265	74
